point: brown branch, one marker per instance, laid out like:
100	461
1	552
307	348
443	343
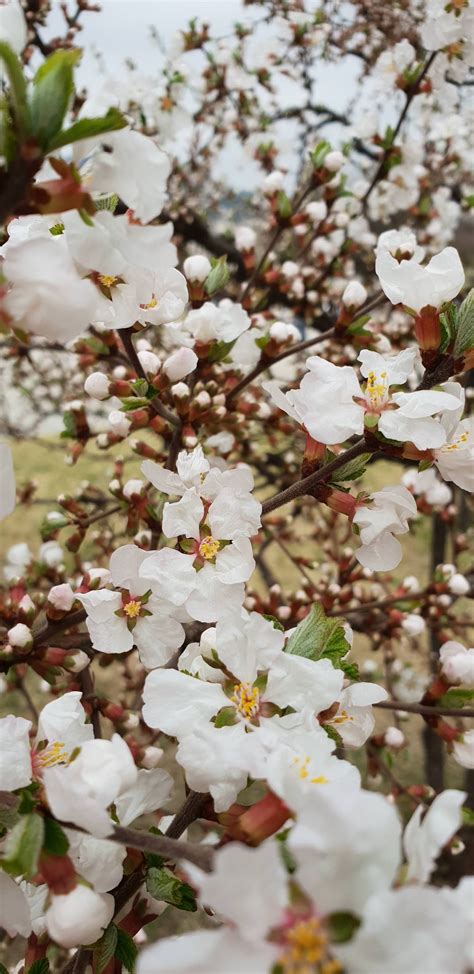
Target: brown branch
424	710
306	485
410	94
188	813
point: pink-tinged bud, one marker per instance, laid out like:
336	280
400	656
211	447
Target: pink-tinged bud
428	329
61	597
55	655
341	502
58	873
263	819
113	712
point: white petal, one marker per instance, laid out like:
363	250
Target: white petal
176	703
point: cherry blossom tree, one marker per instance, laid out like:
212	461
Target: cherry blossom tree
217	671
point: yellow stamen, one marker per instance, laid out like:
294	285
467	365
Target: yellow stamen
341	718
246	699
108	280
209	547
302	764
376	392
305	950
132	609
54	754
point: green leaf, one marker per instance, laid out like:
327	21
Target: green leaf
88	128
457	697
357	327
318	637
448	326
40	966
53	89
342	926
219	351
126	951
18	91
319	153
217	277
353	469
465	333
56	842
467	816
275	622
23	846
162	885
284	208
69	431
3	969
105	949
129	403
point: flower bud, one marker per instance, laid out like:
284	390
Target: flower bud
79	917
20	636
151	757
133	488
354	295
334	161
458	584
119	423
273	182
180	363
196	268
180	390
77	662
414	625
394	738
97	385
62	597
280	331
245	238
317	211
149	362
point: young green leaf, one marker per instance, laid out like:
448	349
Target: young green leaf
217	277
52	92
318	637
126	951
40	966
56	842
105	949
88	128
23	846
465	330
162	885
